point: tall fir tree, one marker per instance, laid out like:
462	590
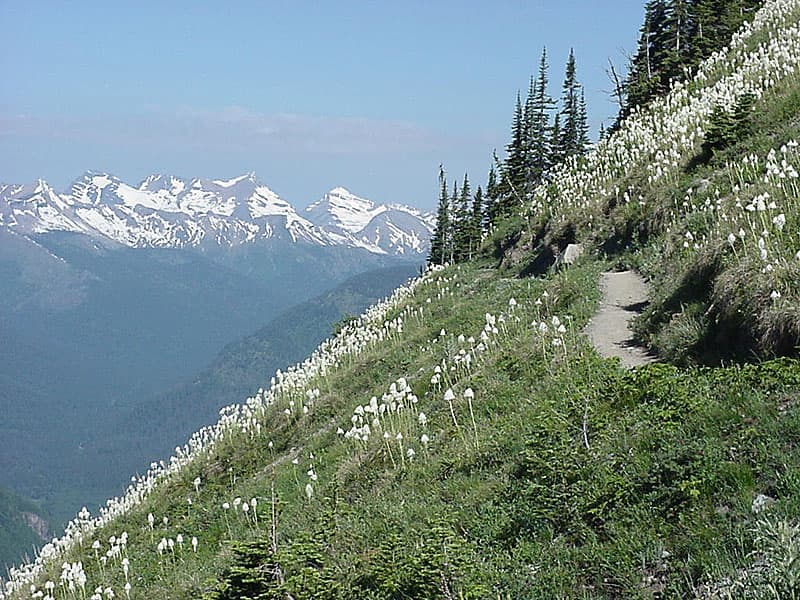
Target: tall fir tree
571	130
583	125
492	210
476	229
528	118
439	239
643	81
463	223
453	225
556	155
541	107
514	167
676	54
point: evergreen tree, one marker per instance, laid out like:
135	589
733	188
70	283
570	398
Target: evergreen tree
492	201
701	30
676	53
583	125
452	225
714	21
476	230
528	118
463	223
643	81
570	140
556	155
439	239
662	52
541	106
516	151
726	127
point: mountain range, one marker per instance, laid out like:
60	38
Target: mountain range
164	211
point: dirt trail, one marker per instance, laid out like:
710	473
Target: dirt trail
624	296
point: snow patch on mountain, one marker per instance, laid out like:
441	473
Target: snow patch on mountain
234	181
385	228
340	209
37	208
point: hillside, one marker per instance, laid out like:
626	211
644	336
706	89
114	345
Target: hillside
22	528
90	329
148	429
145	428
699	192
463	439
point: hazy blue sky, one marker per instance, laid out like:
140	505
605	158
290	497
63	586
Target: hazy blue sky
310	95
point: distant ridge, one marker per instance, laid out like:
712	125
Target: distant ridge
165	211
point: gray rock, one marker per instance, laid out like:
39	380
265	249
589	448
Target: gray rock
570	254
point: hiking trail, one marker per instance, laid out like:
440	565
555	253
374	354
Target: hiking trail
624	296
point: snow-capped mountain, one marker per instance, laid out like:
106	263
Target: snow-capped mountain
168	211
37	208
393	229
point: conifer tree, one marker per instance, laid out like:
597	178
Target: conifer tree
476	230
643	82
714	21
702	30
572	128
541	105
452	225
583	125
677	50
556	155
514	173
528	118
492	200
463	223
439	239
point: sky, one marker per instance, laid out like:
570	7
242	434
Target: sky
369	95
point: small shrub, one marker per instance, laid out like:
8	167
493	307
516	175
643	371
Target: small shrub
727	127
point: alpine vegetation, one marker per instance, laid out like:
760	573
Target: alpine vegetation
620	196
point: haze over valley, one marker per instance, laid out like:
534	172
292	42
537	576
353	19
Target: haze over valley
118	297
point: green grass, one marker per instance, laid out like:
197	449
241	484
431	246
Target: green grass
583	481
713	305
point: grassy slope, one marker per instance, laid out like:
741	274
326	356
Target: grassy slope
651	197
660	500
714	302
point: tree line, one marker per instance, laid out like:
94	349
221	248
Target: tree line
543	133
676	36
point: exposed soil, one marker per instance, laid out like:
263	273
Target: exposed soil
624	296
